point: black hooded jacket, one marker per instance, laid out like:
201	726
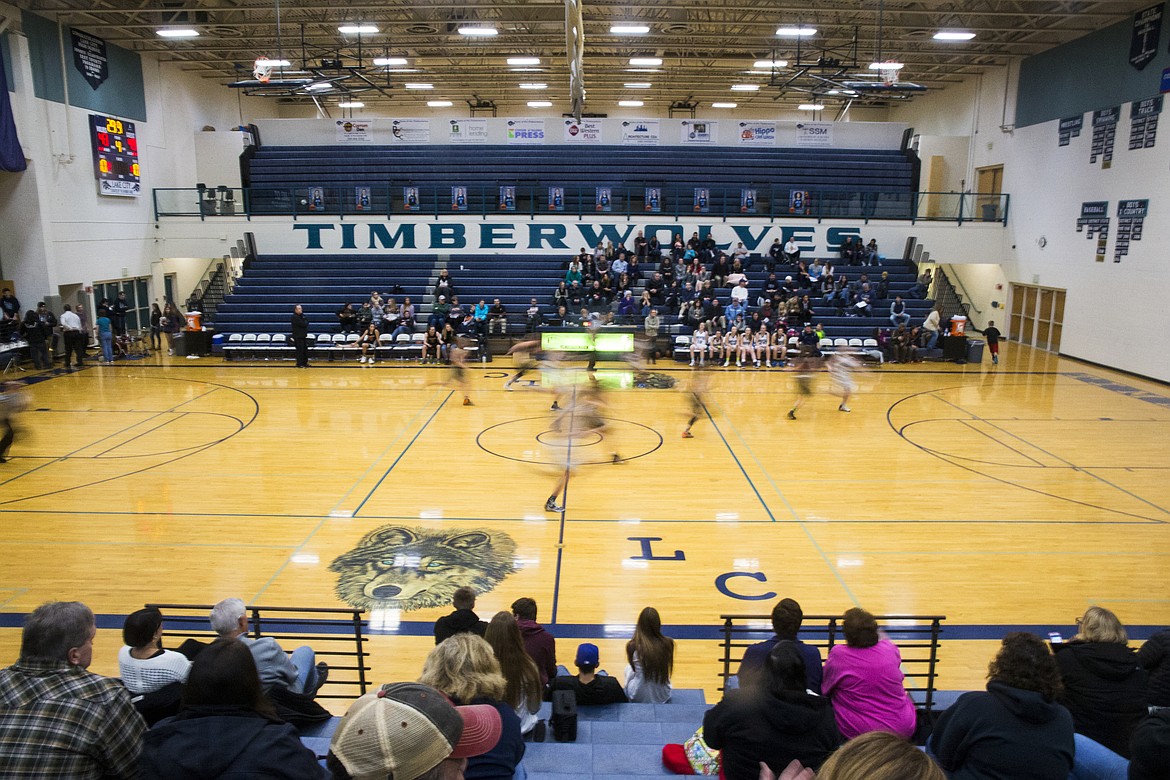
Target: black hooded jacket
1104	689
1004	733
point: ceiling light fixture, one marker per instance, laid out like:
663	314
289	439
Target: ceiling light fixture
178	32
888	65
266	63
357	29
417	85
745	87
724	105
953	35
811	107
631	103
478	32
389	62
351	104
796	32
539	103
523	60
638	85
439	104
629	29
769	64
535	85
645	62
319	86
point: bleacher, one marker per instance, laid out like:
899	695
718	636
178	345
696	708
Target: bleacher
872	182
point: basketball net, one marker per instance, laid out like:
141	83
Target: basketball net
889	76
262	71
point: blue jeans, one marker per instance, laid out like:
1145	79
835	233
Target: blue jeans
306	662
1096	762
902	318
932	340
107	339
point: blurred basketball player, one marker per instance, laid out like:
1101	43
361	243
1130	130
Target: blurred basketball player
841	368
804	386
584	417
696	392
458	355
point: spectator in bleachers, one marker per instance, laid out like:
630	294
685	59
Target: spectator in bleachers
862	302
791	251
741	254
871	253
930	328
226	726
848	251
465	668
533	318
677	247
739	293
561	295
462	620
368	343
787	617
789	288
151	674
455	313
408	730
375	298
898	313
576	296
1151	747
347	319
559	319
538	642
902	345
439	312
863	677
589	685
774	721
640	245
480	314
774	255
650	660
60	721
432	345
1015	723
805	314
882	289
1104	685
365	316
922	287
618	267
575	273
391	313
879	755
498	318
634	268
1154	656
524	689
719	271
298	671
405	318
600	266
444	285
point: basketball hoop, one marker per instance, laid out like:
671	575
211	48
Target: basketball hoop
889	74
262	71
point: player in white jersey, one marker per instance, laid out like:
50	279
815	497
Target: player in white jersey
841	368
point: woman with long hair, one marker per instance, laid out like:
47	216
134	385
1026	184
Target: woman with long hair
226	727
171	323
650	655
465	668
523	689
155	326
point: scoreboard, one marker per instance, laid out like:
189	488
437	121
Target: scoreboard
115	156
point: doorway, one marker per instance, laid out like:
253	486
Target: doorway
1037	316
988	189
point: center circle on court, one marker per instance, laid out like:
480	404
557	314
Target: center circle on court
533	440
553	438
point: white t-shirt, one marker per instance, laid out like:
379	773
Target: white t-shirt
739	293
149	674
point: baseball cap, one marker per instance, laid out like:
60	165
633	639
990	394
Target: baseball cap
407	729
587	655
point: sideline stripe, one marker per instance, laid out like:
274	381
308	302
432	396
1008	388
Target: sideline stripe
950	631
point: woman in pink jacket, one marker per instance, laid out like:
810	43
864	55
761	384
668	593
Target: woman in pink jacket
863	678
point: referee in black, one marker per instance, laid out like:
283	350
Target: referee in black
300	336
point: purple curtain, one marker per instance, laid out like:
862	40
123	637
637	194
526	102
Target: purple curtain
11	155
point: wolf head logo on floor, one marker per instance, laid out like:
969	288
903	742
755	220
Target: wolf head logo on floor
413	568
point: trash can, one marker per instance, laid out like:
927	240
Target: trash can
217	342
180	345
975	350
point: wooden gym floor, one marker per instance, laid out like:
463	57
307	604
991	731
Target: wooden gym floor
1000	496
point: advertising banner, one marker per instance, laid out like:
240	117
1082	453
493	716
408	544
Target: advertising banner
351	131
587	131
698	132
525	131
757	133
467	131
410	131
814	134
641	132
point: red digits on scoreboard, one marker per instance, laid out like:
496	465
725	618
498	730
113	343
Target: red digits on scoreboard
133	144
103	140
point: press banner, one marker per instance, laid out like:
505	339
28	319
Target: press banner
525	131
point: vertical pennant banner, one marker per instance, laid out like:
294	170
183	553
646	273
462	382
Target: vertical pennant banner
1143	119
1147	29
11	155
90	57
1094	222
1069	128
1131	215
1104	134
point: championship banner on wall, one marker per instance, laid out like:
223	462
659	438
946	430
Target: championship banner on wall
410	199
747	202
653	202
1094	220
692	132
361	198
467	131
90	57
525	131
604	199
1104	134
702	200
507	198
410	131
459	199
642	132
1143	122
587	131
1131	214
349	131
814	134
1147	30
757	133
556	198
1069	128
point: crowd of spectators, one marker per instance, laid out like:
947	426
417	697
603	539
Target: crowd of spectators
1087	707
